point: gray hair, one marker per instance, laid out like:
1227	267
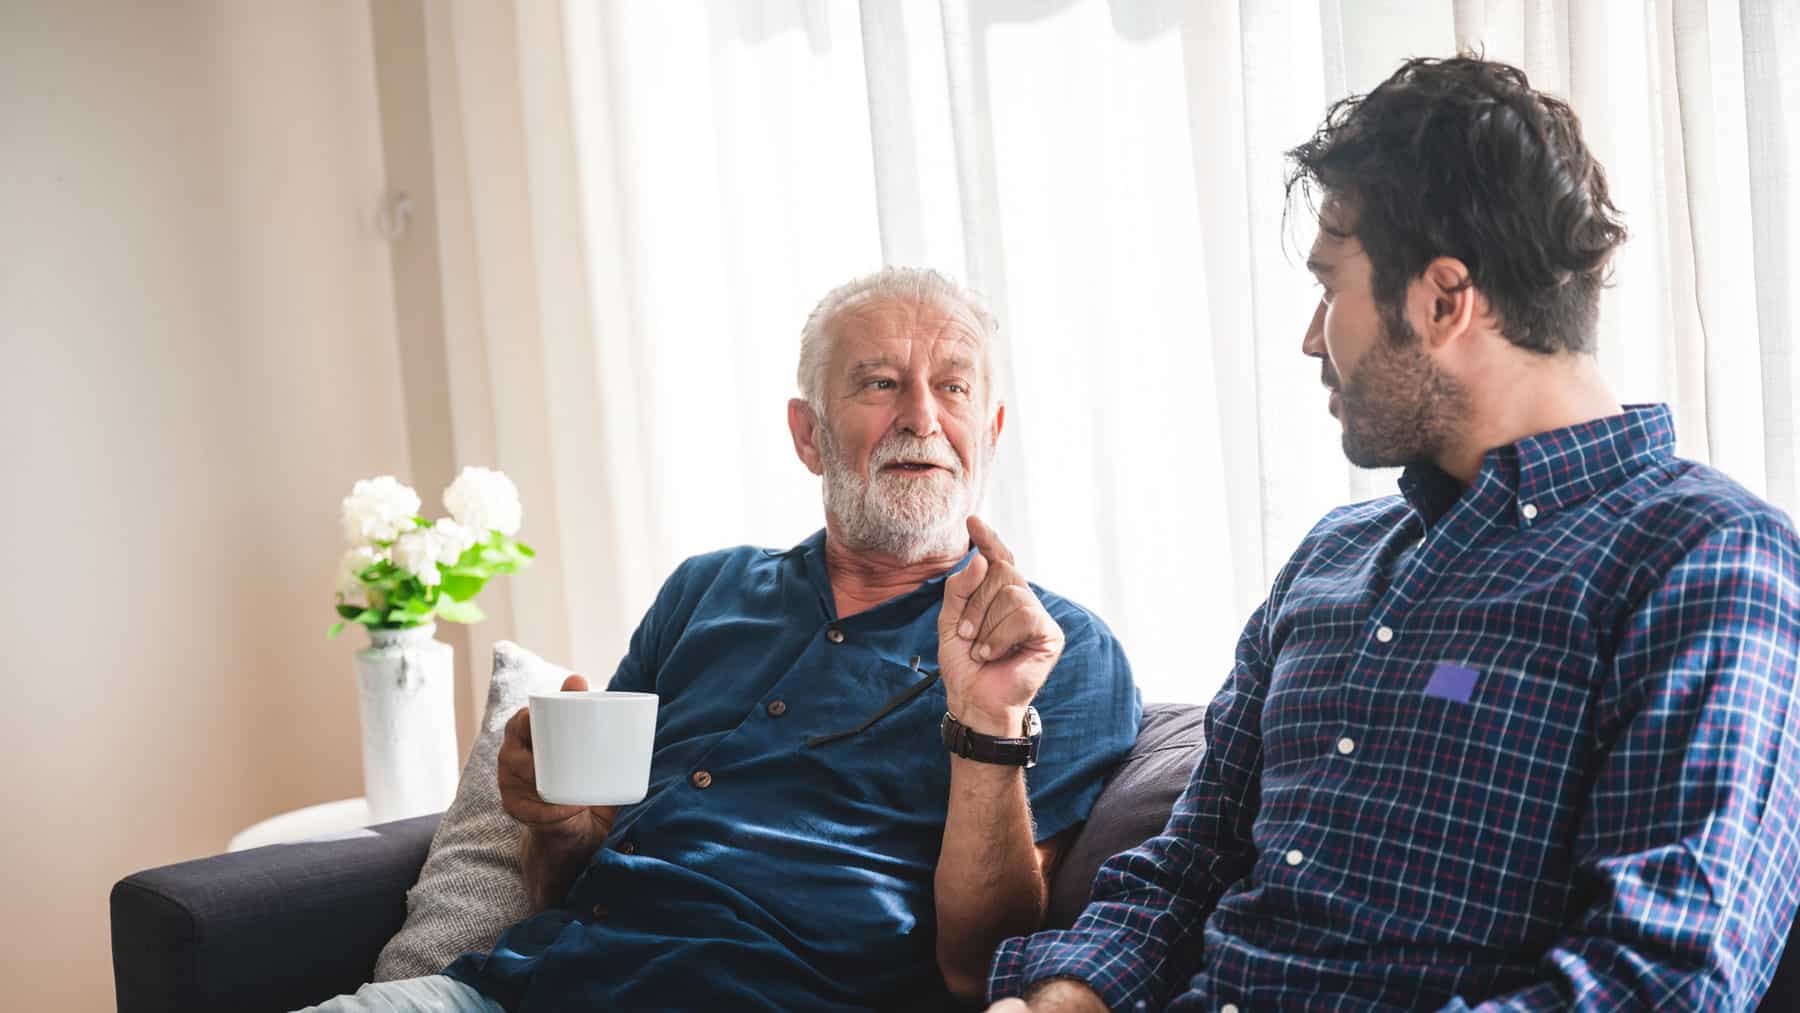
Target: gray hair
918	285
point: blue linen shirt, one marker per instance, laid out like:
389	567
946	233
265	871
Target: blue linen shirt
1531	745
763	873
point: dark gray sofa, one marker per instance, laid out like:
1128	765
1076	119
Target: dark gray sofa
282	927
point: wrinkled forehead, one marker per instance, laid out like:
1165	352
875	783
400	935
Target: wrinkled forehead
949	327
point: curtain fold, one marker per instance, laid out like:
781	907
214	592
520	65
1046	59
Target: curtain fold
684	179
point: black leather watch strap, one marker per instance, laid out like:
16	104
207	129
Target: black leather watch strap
1020	751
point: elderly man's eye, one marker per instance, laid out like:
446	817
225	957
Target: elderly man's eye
879	383
956	388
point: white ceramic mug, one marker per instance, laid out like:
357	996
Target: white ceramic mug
593	747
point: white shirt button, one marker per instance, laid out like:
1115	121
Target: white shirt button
1229	1007
1295	857
1346	745
1384	634
1530	511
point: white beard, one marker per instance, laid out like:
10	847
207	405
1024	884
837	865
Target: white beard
910	517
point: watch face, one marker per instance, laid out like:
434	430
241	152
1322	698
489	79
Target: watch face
1033	726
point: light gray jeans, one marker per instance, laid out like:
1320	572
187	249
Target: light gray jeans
433	993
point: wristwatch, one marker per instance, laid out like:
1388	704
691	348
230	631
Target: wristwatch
1010	752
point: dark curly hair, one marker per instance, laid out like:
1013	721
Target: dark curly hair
1461	158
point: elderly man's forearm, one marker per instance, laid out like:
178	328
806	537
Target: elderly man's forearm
990	883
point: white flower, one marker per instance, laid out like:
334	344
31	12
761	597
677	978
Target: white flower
451	540
483	500
416	553
357	560
378	509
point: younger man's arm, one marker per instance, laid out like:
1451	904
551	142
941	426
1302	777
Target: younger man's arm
1687	853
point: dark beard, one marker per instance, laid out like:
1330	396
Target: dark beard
1399	409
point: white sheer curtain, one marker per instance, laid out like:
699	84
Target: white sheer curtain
1110	175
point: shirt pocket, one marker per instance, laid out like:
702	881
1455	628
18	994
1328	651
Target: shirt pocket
1510	738
896	769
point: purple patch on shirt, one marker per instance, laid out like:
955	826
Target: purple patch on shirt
1452	682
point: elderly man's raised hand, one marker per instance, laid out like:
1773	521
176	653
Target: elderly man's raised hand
996	643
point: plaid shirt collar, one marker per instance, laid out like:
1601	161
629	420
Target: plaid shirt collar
1552	470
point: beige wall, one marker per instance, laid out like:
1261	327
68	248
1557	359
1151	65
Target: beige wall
200	355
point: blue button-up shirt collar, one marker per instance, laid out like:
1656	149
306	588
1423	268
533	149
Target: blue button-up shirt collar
1549	471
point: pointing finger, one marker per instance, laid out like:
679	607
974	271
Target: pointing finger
988	541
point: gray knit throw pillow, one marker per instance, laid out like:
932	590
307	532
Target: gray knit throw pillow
470	889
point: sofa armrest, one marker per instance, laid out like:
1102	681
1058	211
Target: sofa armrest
273	928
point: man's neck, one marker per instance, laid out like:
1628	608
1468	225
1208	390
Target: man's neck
861	580
1533	396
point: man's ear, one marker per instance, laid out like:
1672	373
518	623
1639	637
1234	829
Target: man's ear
1442	302
803	425
999	424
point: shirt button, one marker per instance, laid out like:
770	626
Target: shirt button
1530	511
1384	634
834	635
1230	1007
628	848
701	779
776	708
599	911
1295	857
1346	745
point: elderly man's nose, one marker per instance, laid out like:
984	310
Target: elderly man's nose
918	411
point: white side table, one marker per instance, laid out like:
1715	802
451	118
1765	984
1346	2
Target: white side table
342	818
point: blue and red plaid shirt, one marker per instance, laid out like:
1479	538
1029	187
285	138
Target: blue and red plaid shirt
1525	745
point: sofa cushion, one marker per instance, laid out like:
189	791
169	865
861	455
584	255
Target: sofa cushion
471	888
1134	806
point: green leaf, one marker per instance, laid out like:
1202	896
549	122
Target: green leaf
349	611
525	550
411	612
461	586
368	617
460	612
336	628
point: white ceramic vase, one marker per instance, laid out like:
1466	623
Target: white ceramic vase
408	723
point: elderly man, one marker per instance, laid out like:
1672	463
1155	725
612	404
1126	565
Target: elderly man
830	825
1524	737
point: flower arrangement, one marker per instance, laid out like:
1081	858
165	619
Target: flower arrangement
403	570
